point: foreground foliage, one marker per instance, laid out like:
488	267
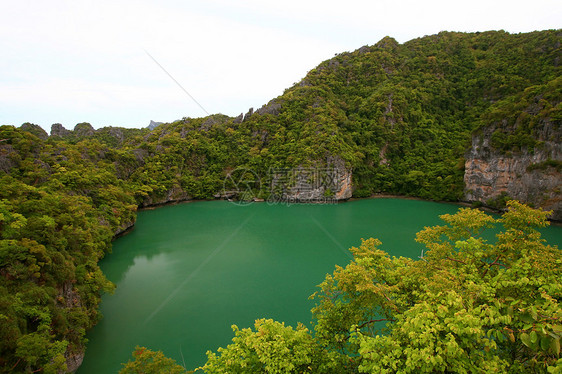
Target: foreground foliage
150	362
468	305
60	206
271	348
399	115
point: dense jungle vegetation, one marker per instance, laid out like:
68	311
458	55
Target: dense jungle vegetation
400	116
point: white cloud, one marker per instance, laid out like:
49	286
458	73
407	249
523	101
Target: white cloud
73	61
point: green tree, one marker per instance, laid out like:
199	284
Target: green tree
467	306
147	361
271	348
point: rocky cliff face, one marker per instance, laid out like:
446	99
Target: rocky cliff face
7	157
35	130
530	176
152	125
315	184
84	130
68	298
174	195
113	136
59	130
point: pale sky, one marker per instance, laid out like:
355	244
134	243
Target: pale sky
72	61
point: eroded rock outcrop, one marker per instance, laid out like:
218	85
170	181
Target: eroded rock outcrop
152	125
59	130
8	157
175	194
331	182
69	298
35	130
84	130
273	108
532	176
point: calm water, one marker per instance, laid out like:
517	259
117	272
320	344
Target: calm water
188	272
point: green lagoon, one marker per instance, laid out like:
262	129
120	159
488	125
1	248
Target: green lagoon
187	272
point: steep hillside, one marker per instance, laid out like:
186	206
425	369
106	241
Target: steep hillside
400	117
388	118
519	154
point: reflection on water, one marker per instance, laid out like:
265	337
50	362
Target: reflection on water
187	272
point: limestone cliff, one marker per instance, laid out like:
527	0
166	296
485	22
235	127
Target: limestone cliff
175	194
68	297
59	130
35	130
152	125
315	184
507	162
84	130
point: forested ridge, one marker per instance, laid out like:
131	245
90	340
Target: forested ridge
400	116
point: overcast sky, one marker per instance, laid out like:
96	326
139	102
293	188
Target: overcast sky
116	63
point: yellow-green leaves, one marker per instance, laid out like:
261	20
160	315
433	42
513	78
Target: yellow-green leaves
147	361
468	306
271	348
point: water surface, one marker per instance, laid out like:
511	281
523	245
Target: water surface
187	272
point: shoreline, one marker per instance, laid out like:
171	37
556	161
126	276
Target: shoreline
465	204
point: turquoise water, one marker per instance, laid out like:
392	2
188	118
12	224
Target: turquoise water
187	272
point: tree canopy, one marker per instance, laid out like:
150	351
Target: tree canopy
468	305
399	115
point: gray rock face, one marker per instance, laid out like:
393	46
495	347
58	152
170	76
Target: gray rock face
126	226
489	174
239	119
175	195
73	360
208	123
84	130
58	130
249	114
35	130
6	154
152	125
314	184
272	108
68	298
